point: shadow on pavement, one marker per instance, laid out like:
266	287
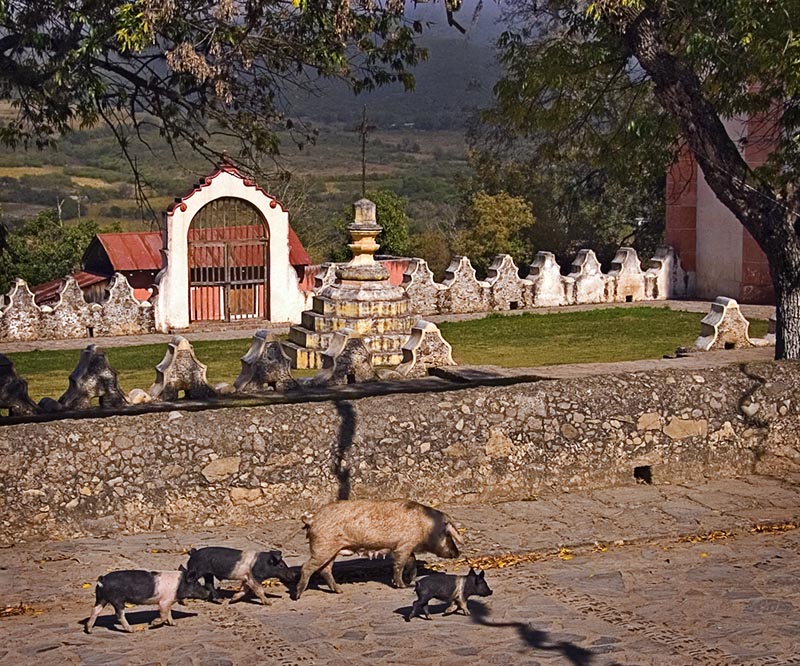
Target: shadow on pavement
225	594
109	620
536	639
359	570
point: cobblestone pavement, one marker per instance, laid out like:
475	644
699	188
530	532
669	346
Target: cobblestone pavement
637	575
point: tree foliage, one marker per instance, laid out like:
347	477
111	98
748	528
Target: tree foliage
210	75
391	215
683	67
495	224
42	249
576	201
569	120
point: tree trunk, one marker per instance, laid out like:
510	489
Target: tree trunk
786	280
753	201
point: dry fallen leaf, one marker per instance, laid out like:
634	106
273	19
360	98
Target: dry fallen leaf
436	567
715	535
774	528
497	561
20	609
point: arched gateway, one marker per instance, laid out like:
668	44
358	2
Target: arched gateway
228	262
227	247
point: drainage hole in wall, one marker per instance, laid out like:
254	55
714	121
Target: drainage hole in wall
90	331
730	345
643	474
513	305
629	298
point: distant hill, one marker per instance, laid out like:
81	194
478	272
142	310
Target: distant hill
456	80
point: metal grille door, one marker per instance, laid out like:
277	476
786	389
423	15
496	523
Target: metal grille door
228	262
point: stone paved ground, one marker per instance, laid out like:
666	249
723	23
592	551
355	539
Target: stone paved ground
638	581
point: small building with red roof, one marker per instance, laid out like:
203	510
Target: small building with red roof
226	252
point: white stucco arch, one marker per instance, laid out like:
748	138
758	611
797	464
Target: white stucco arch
172	301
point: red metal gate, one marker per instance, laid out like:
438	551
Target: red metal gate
228	262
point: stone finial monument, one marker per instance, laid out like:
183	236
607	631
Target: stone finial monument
93	378
180	370
426	348
347	360
265	367
14	391
725	327
361	298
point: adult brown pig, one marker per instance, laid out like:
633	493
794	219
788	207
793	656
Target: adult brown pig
402	527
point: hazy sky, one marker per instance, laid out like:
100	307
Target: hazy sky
483	28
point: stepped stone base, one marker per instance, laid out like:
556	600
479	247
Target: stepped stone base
362	300
305	358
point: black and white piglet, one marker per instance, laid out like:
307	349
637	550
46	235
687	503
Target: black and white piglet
248	566
447	587
144	587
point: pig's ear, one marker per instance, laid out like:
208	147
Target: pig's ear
182	568
482	574
276	556
472	573
451	530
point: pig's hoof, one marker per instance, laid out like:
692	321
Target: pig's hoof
87	630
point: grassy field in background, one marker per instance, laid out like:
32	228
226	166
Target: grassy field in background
616	334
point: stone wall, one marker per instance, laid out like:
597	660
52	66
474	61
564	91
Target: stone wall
72	317
503	289
240	464
460	292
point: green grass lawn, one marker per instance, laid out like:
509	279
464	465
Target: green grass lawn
602	335
616	334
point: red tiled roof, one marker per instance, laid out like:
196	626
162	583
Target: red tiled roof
297	253
140	250
133	250
396	266
48	291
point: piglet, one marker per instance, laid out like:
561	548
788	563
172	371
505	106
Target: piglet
446	587
144	587
250	567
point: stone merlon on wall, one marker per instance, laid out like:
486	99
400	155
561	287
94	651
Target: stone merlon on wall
545	286
71	316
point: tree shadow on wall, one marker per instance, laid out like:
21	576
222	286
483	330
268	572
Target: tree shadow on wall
344	441
576	655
